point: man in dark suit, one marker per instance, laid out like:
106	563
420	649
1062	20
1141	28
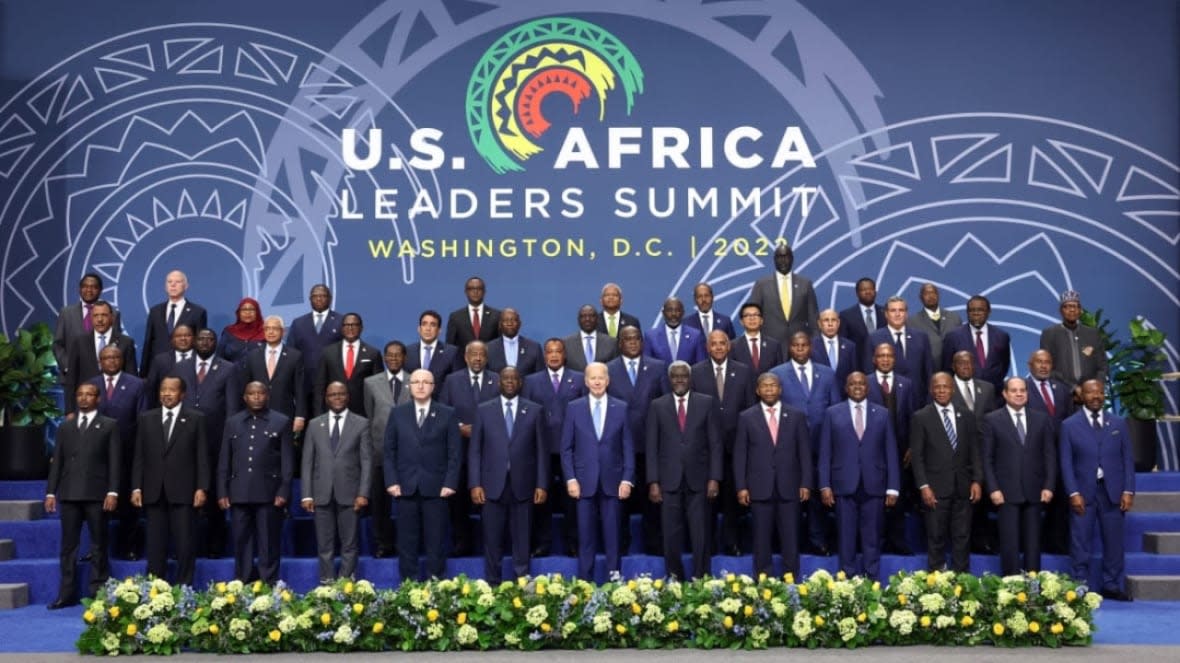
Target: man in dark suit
638	380
934	320
752	347
163	363
508	473
598	462
729	384
944	445
121	397
896	394
384	391
672	340
554	388
706	318
986	342
1099	471
74	319
431	353
832	350
82	361
171	477
684	466
1056	399
349	360
464	390
589	345
976	396
911	348
84	482
1078	351
512	349
865	316
280	367
422	459
773	472
337	474
1020	463
165	317
476	321
787	299
254	472
215	390
311	333
612	319
859	475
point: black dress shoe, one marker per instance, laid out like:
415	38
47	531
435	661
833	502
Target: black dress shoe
1116	595
62	603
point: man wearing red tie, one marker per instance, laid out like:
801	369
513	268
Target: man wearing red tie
754	348
350	360
476	321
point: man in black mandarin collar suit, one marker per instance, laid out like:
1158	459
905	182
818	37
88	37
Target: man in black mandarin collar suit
165	317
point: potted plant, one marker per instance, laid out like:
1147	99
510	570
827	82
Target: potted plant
27	402
1133	382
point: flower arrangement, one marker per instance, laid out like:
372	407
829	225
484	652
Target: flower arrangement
148	616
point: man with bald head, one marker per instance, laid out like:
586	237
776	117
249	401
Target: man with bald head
510	348
673	341
165	317
933	319
787	299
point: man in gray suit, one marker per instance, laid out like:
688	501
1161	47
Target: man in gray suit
785	291
383	391
933	319
338	471
588	345
1077	350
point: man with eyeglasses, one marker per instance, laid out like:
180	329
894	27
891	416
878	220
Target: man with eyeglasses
754	348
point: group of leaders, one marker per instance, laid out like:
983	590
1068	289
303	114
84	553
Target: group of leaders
792	416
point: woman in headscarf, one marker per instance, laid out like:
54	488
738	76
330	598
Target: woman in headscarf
243	335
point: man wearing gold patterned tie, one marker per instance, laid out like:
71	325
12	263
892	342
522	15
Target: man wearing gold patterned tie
787	299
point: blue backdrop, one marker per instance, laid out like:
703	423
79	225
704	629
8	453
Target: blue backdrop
1014	149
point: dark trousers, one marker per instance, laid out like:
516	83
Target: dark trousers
256	526
1081	531
73	514
1020	531
732	511
558	502
680	511
598	513
516	514
769	515
460	506
864	515
213	543
175	524
949	521
1055	538
334	519
895	517
380	512
421	521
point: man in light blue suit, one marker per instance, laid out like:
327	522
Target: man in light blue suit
673	341
859	475
1099	476
598	462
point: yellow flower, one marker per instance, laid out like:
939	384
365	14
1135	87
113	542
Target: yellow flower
198	612
789	578
998	628
220	588
931	579
925	621
727	622
1021	597
831	585
545	627
358	608
748	610
348	587
803	590
88	617
540	589
286	596
737	588
901	598
730	578
152	592
958	590
1034	627
522	581
257	586
862	617
1071	596
461	618
672	626
819	620
466	589
231	599
1056	628
573	599
622	630
114	612
766	595
635	609
131	629
967	621
631	585
214	629
275	634
876	586
325	619
378	627
761	577
517	603
659	583
432	615
840	575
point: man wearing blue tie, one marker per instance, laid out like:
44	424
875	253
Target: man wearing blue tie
1099	475
706	318
672	340
831	349
598	461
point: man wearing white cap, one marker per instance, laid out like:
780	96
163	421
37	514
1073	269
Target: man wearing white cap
1077	350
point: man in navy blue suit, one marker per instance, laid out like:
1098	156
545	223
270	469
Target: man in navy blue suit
896	393
810	388
773	472
508	472
987	343
474	322
554	388
859	474
423	453
1054	398
1099	473
512	349
1020	464
598	462
430	352
672	340
281	369
731	386
706	318
911	348
864	317
165	317
684	465
832	350
163	363
759	351
310	334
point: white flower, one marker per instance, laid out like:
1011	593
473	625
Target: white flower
467	634
931	602
652	614
1065	612
142	612
602	622
568	628
907	586
234	586
343	635
418	598
730	605
162	602
1004	597
434	631
944	621
1017	623
536	615
240	628
622	596
161	585
324	592
847	628
262	603
486	600
1093	600
217	603
1081	627
159	633
759	634
903	621
287	624
802	626
364	587
128	595
511	639
110	642
969	607
778	607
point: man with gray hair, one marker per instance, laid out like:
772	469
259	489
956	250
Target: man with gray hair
279	367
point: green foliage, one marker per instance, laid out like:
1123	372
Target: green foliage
1135	367
26	376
